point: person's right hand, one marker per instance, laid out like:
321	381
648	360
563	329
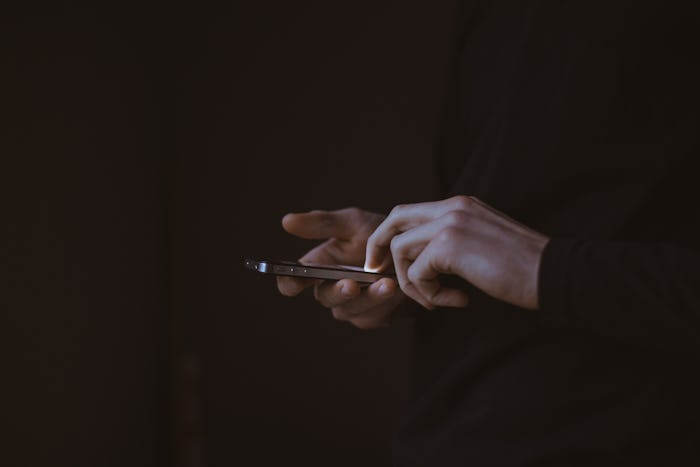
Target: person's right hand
345	233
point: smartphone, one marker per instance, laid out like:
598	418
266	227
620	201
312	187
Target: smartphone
316	271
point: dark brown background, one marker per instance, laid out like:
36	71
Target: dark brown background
146	151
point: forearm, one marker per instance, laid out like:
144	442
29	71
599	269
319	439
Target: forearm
645	294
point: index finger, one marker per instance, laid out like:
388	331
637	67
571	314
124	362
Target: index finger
402	218
320	225
378	243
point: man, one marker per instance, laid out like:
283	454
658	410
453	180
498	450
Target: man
566	332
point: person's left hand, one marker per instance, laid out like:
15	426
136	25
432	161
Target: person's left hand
460	236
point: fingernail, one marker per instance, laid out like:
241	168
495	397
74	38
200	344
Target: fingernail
345	291
383	289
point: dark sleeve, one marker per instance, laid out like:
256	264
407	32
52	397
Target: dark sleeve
448	148
643	294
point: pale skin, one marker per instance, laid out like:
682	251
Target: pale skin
459	236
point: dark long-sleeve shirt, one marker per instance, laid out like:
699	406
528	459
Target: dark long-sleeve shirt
580	119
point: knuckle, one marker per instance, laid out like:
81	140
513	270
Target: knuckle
283	286
428	295
462	202
412	275
321	296
339	314
397	210
448	235
353	211
286	291
395	245
456	217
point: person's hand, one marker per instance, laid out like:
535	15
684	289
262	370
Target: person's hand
459	236
345	233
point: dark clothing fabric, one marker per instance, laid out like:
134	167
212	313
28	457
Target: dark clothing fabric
580	119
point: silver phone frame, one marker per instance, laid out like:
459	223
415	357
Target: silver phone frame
293	269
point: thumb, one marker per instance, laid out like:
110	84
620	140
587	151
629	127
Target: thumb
319	225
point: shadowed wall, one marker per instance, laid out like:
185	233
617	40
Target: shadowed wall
145	155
